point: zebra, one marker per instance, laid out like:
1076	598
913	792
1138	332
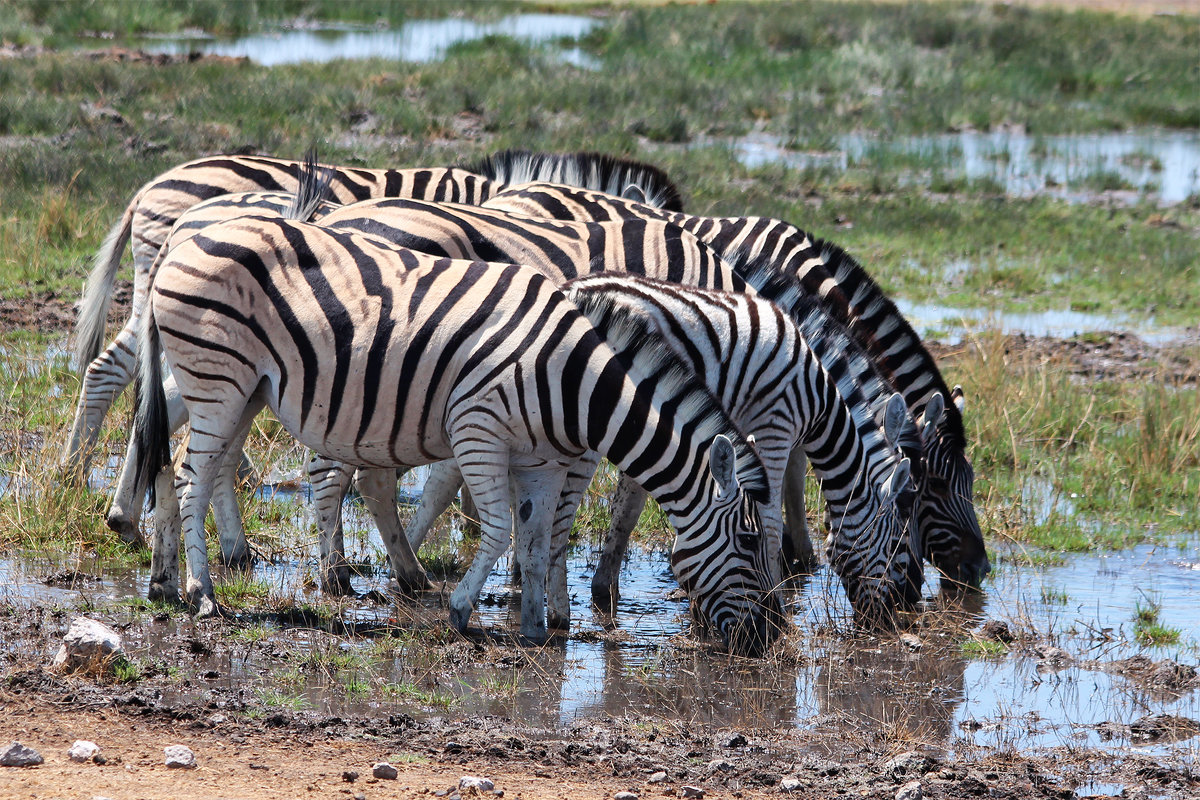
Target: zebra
946	519
793	379
778	390
560	249
150	216
332	330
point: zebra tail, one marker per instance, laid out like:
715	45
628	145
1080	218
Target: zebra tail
151	427
97	295
313	189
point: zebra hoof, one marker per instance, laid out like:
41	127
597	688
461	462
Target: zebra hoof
412	583
556	622
459	618
163	592
605	597
205	607
535	638
125	528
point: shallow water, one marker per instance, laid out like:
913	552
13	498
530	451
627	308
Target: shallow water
845	685
1162	163
952	324
417	41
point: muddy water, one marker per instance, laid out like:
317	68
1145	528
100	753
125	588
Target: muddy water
416	41
640	665
1077	168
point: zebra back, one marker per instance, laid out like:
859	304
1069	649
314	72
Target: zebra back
595	171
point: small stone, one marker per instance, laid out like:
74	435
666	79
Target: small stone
83	750
657	777
359	796
385	771
217	719
625	796
910	791
998	631
88	646
910	641
791	784
467	782
736	740
349	776
719	765
180	756
694	792
18	755
909	763
100	759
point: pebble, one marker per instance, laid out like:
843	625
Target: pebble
736	740
385	771
83	750
478	784
180	756
910	641
791	784
625	796
719	765
909	763
694	792
658	777
909	791
349	776
18	755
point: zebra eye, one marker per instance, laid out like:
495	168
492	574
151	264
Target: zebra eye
747	542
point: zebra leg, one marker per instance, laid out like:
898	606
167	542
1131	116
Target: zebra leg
798	552
470	525
558	599
485	471
126	510
235	550
378	490
330	480
536	493
164	542
444	480
626	507
103	381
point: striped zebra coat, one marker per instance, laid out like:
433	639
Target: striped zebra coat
794	388
560	249
945	513
156	207
382	357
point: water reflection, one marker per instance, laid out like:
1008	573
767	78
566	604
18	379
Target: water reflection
419	41
1074	167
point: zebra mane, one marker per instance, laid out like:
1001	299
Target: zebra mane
595	171
863	292
642	350
856	373
314	187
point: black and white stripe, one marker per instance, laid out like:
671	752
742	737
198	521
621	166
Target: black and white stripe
378	356
945	512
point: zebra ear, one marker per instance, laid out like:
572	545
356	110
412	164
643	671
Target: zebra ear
897	482
956	397
722	462
893	418
934	410
634	193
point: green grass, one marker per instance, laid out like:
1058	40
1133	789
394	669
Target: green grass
982	648
432	698
241	590
273	698
1147	628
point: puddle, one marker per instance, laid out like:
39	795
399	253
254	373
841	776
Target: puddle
1076	168
418	41
951	324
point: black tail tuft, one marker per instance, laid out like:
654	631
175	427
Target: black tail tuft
314	188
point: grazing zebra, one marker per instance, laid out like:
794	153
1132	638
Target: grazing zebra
158	205
561	249
945	513
794	380
379	356
778	390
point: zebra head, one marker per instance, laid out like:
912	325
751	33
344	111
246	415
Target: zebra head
723	561
953	541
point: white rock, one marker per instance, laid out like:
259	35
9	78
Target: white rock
691	792
910	791
791	784
88	645
83	750
18	755
385	771
180	756
658	777
478	784
625	796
